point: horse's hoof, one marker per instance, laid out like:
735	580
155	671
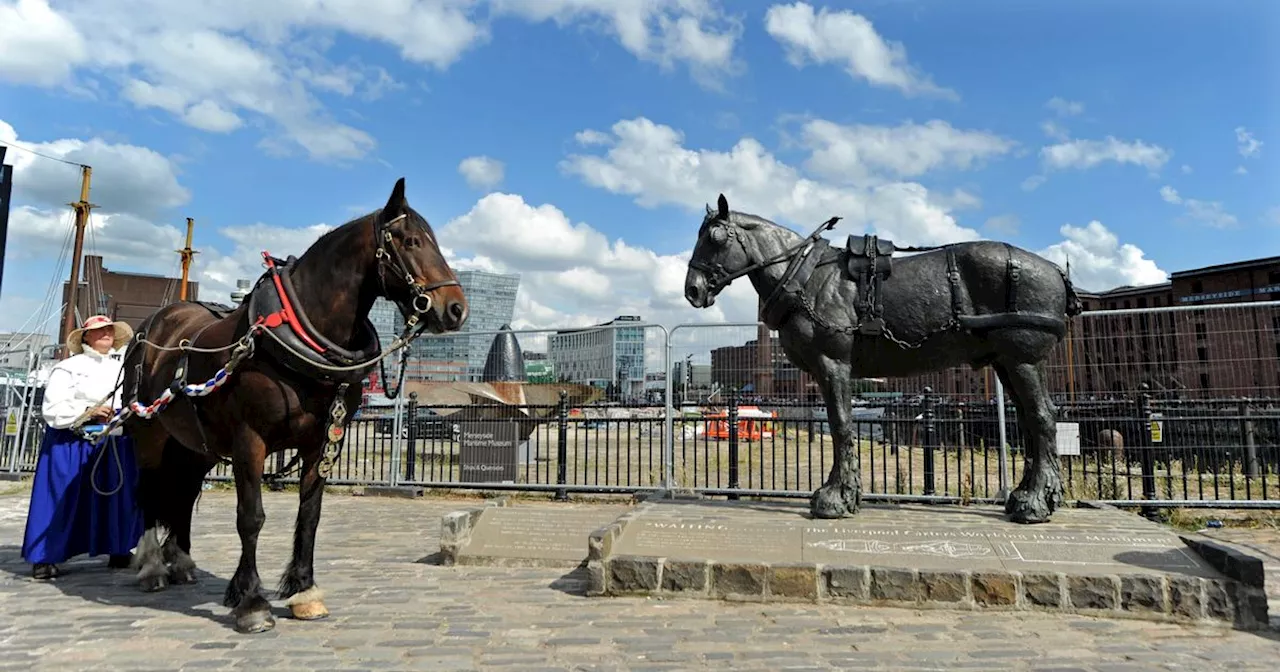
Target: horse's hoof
1032	505
154	584
309	611
181	577
254	622
828	502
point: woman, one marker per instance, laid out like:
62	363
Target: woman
83	496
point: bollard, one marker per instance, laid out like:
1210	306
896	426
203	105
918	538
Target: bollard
562	447
929	439
1146	450
732	414
411	444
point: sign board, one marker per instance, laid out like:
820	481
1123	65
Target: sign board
1157	429
1068	438
488	451
11	423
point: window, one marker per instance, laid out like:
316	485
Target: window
1142	302
1197	287
1201	332
1202	353
1204	381
1126	304
1273	278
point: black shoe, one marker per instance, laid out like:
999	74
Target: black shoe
120	561
44	571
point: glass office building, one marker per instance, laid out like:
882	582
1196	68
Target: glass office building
491	303
602	357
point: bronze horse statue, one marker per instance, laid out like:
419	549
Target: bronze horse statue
286	365
857	312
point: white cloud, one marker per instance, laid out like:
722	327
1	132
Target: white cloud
649	162
481	172
850	40
1246	144
854	153
1099	261
1086	154
126	178
667	32
1186	169
1241	170
41	47
1003	225
1055	130
574	275
1065	108
229	65
1210	213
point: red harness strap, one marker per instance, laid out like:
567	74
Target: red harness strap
286	314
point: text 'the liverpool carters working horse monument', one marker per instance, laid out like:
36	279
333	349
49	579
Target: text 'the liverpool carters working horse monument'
857	312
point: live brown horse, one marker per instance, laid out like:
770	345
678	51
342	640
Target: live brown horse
286	368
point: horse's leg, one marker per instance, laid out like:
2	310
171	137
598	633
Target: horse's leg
298	582
842	493
153	496
186	471
252	611
1040	491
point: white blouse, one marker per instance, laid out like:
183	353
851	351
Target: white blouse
79	383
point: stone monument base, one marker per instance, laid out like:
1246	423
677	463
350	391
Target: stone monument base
525	535
1091	559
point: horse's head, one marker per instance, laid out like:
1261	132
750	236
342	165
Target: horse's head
718	256
413	273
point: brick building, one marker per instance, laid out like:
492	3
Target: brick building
129	297
1183	352
741	367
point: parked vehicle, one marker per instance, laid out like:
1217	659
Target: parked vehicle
428	425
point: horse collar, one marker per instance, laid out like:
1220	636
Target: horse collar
295	342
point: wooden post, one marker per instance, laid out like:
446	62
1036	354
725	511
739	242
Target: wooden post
82	208
187	253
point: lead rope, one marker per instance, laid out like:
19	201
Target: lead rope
114	448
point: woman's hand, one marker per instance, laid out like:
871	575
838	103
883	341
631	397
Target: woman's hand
103	413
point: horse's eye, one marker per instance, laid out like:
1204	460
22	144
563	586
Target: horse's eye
719	235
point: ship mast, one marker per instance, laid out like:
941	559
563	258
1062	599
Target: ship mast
82	208
187	254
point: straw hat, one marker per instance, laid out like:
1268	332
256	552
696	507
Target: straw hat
123	333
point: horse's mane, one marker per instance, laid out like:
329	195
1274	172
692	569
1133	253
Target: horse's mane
332	242
783	233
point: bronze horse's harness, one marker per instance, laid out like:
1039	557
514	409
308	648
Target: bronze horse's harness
296	344
867	260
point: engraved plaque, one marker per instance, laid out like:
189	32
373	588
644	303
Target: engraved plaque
536	533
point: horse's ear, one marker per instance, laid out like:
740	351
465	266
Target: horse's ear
396	204
709	210
724	207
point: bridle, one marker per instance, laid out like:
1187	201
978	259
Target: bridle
718	277
391	258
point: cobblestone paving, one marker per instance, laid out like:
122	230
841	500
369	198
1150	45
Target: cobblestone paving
393	609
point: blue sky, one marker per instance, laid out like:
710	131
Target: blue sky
926	120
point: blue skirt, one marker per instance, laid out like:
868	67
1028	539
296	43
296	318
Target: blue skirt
82	499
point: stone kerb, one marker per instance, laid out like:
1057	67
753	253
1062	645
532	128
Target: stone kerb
456	526
1149	597
600	547
620	566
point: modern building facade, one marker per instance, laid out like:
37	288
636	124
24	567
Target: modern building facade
491	304
608	355
15	347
